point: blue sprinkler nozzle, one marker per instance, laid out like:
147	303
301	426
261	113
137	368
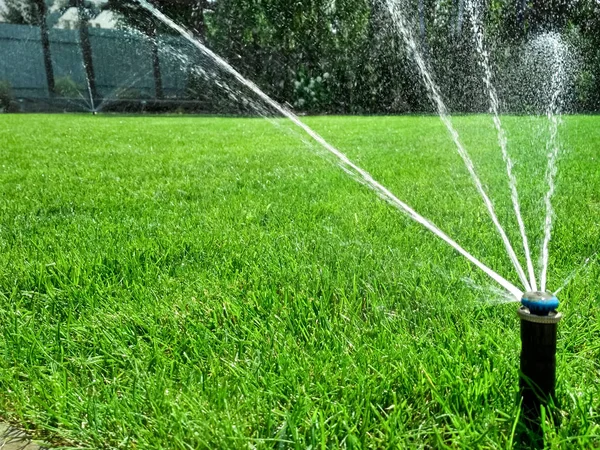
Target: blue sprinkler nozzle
540	303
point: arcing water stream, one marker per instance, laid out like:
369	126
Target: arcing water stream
574	273
477	30
356	171
553	146
435	96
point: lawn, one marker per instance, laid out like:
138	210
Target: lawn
197	282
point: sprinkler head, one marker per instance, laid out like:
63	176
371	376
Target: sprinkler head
537	377
540	303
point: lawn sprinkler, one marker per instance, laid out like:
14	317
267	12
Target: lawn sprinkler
539	322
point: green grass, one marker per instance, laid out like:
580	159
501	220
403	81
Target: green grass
174	282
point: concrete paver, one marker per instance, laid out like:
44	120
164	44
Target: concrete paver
13	439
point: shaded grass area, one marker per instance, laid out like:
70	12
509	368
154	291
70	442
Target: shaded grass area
174	282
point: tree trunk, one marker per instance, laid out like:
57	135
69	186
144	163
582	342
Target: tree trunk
521	8
86	50
460	17
199	23
45	35
158	85
422	22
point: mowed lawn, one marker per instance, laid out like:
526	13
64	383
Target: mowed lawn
196	282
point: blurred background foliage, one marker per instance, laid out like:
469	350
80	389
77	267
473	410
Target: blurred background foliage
344	56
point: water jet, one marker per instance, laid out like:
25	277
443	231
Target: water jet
538	314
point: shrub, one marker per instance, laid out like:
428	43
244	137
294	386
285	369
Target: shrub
130	93
7	98
311	93
66	87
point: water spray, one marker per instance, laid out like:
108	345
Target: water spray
345	163
539	323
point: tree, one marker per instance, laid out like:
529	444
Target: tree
190	14
287	46
549	15
19	12
42	12
587	18
86	10
84	13
33	12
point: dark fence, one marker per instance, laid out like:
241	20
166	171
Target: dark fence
123	71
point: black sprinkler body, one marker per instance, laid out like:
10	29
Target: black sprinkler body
539	323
